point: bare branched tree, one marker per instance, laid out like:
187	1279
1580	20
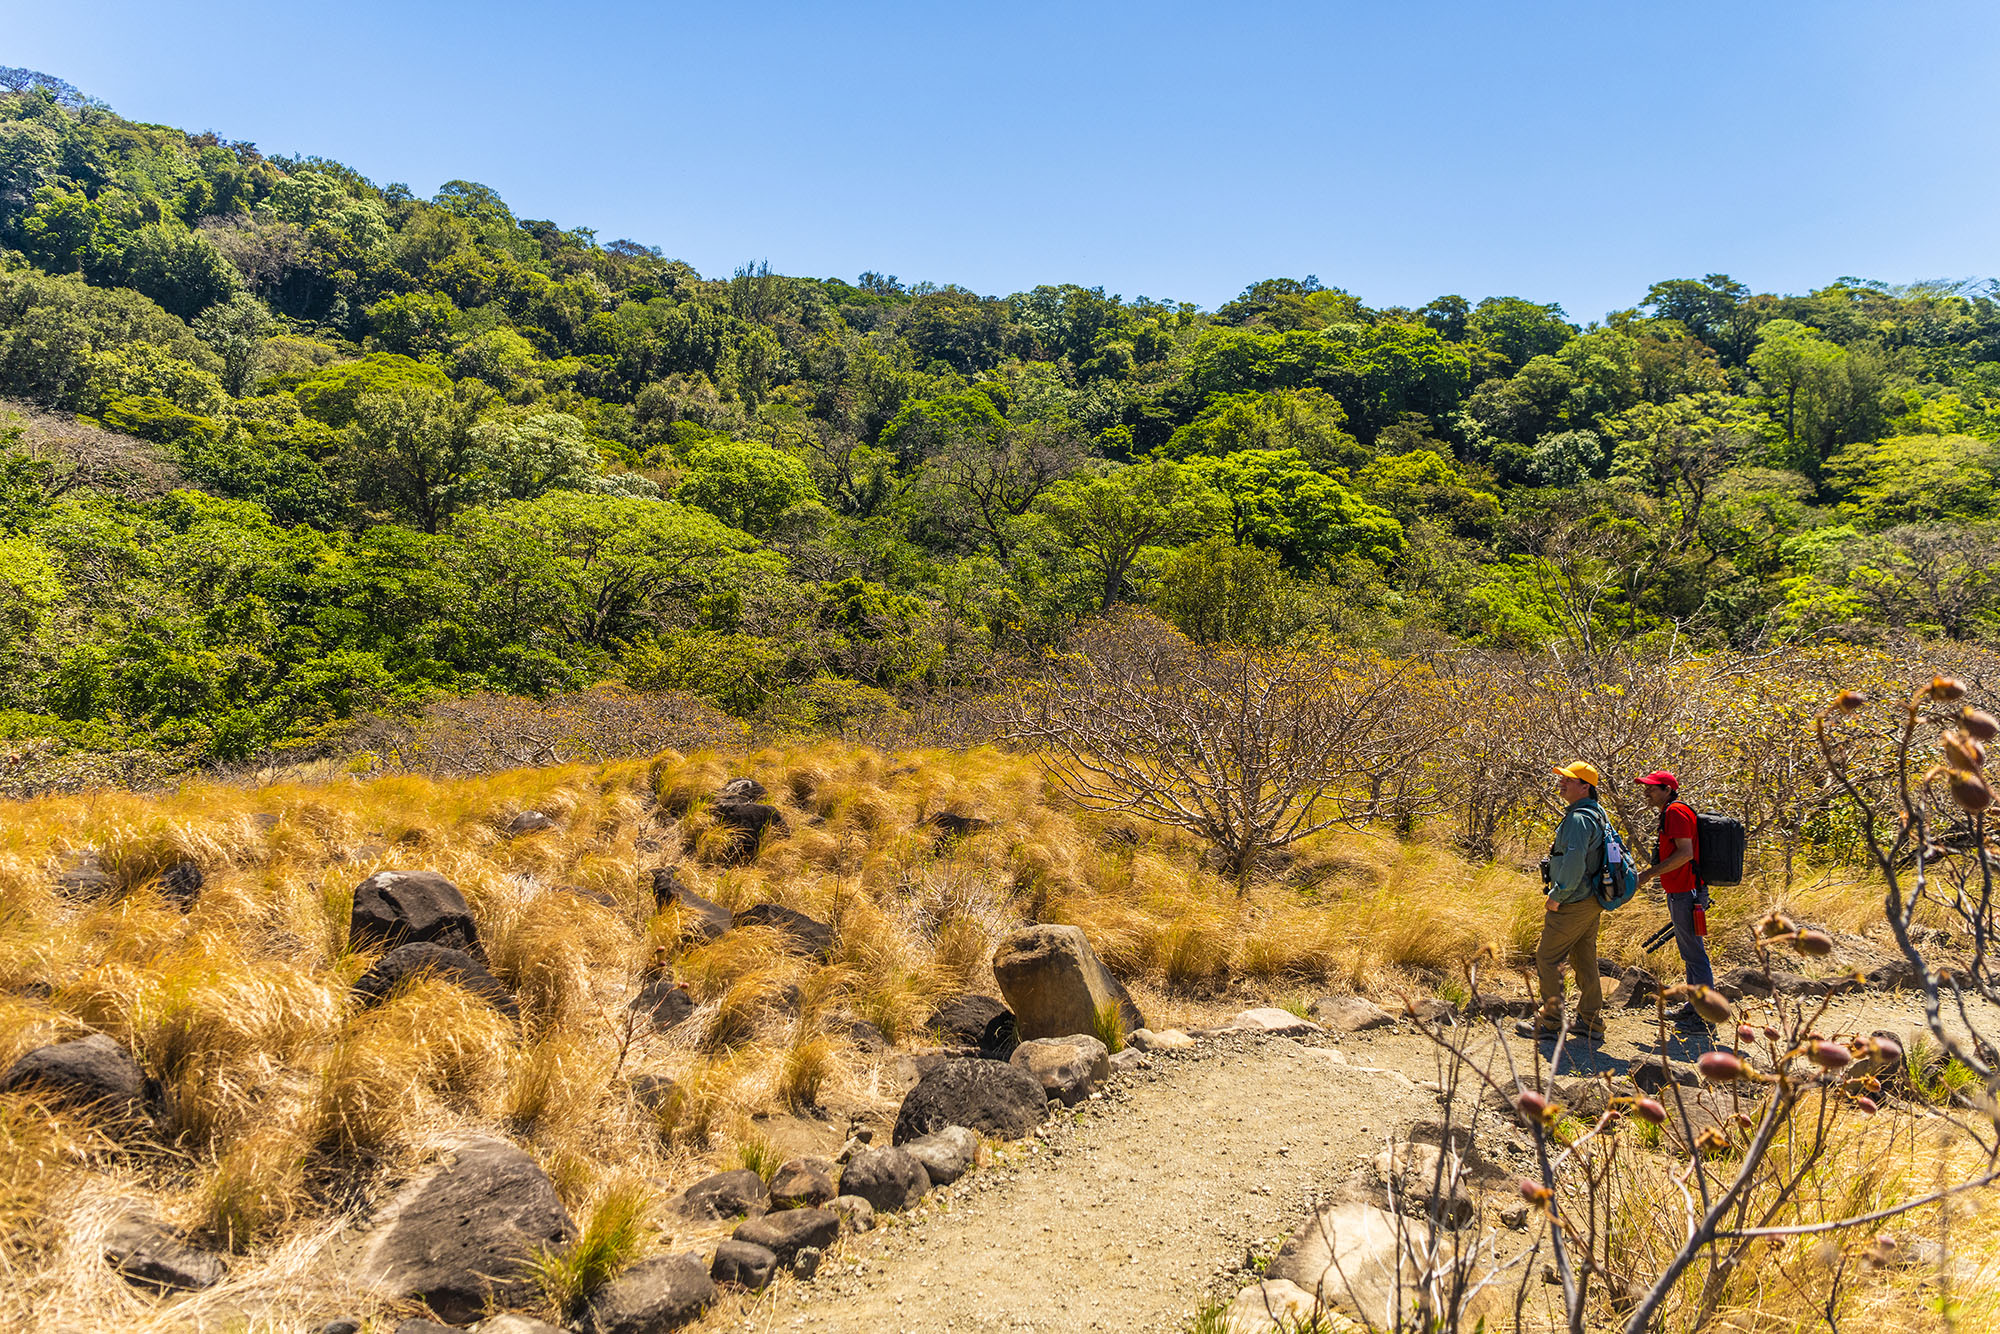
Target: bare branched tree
1252	749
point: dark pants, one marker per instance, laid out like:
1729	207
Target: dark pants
1694	953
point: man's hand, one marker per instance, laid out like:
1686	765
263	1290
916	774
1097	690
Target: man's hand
1650	873
1549	904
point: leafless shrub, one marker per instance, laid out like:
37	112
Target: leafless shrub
1252	749
73	455
486	732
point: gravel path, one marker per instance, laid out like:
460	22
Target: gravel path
1130	1209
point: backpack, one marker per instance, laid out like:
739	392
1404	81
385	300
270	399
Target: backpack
1718	849
1617	880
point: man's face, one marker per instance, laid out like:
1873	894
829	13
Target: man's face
1572	789
1657	796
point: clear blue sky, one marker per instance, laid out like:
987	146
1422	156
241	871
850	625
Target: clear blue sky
1572	152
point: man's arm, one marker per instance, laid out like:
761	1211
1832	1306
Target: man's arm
1683	854
1569	857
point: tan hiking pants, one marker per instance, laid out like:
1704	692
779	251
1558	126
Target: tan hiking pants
1570	932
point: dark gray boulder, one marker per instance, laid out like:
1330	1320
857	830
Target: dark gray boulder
653	1091
725	1195
651	1297
392	908
94	1073
427	957
86	878
788	1231
1635	990
149	1255
803	1183
805	934
991	1097
460	1235
740	791
529	822
700	919
952	827
890	1179
663	1001
181	883
973	1021
745	1264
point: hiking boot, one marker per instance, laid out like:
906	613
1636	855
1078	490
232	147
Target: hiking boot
1539	1030
1588	1032
1688	1020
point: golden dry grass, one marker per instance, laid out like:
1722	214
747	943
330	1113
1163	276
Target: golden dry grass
283	1099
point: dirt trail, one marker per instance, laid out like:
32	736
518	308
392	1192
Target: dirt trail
1128	1213
1137	1207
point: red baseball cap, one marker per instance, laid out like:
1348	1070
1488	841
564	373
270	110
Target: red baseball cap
1661	778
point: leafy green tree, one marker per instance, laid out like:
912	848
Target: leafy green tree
234	330
522	455
180	269
745	483
1217	592
1277	499
1107	520
411	453
1310	421
333	395
1916	478
1518	330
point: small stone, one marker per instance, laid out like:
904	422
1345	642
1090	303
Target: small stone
806	1263
1350	1014
149	1255
946	1154
891	1179
1067	1068
1128	1060
787	1231
652	1296
855	1213
341	1326
1169	1039
744	1263
1516	1216
725	1195
516	1324
803	1183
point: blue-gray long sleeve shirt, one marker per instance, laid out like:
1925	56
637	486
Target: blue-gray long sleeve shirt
1578	838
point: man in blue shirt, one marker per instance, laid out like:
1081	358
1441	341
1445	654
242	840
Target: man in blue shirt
1572	910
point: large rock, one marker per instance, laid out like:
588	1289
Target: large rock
1346	1256
855	1213
725	1195
151	1256
1068	1069
529	822
663	1001
950	826
991	1097
789	1231
1740	982
93	1072
1167	1039
181	883
740	792
1055	984
1350	1014
803	1183
971	1021
442	961
1635	990
460	1235
86	878
738	808
946	1154
516	1324
700	919
1274	1306
1424	1179
891	1179
805	934
651	1297
1270	1019
745	1264
394	907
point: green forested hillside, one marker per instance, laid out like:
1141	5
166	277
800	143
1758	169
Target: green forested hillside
282	444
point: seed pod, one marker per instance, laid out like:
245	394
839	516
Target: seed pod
1947	690
1847	701
1534	1192
1771	1034
1745	1033
1818	944
1886	1049
1532	1105
1868	1105
1829	1055
1980	724
1777	924
1649	1109
1969	790
1720	1067
1743	1120
1961	751
1710	1004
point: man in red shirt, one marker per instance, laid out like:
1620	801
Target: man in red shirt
1687	897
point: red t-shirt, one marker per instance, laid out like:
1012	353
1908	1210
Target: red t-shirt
1676	822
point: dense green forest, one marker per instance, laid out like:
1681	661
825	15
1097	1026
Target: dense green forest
281	445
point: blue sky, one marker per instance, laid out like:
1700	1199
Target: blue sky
1570	152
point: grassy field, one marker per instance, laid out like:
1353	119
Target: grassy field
284	1103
